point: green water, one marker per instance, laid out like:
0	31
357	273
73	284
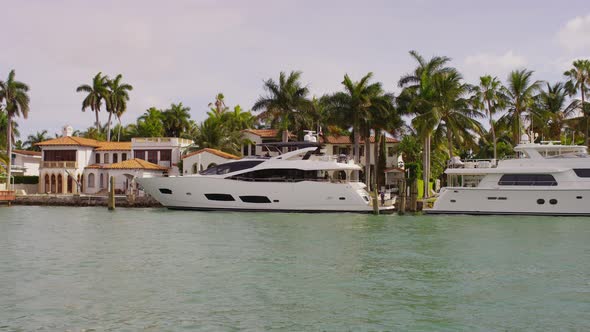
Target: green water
157	270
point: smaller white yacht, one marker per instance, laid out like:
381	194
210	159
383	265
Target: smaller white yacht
303	180
545	178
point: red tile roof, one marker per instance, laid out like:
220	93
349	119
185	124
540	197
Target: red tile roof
114	146
332	139
135	163
213	151
70	140
27	152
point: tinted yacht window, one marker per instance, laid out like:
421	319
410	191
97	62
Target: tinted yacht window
281	175
231	167
527	180
582	172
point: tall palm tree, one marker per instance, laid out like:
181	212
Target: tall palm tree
416	87
218	107
284	102
116	100
213	133
551	103
176	120
38	137
151	123
14	132
447	109
579	80
520	93
16	102
95	95
490	98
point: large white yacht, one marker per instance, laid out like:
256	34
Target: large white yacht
544	179
303	180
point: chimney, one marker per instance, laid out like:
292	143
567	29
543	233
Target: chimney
67	130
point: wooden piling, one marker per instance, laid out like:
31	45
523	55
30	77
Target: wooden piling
402	196
111	204
375	202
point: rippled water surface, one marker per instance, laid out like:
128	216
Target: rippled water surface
157	270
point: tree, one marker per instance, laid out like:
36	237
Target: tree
14	132
284	103
579	80
520	93
16	103
414	99
96	93
116	100
550	104
176	120
489	97
38	137
151	123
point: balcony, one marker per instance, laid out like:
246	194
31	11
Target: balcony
59	164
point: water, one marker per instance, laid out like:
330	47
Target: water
157	270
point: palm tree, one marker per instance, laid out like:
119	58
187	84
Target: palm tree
448	111
116	100
213	133
16	102
38	137
520	94
3	163
14	132
489	97
579	79
95	95
151	123
284	103
416	93
218	107
176	120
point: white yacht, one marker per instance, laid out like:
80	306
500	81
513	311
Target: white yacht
545	179
303	180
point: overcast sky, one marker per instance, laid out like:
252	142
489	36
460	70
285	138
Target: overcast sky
187	51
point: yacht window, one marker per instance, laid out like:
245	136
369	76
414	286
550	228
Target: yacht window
231	167
220	197
166	191
282	175
255	199
582	172
527	180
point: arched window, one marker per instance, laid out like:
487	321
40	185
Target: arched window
47	185
211	165
53	184
101	181
60	184
91	180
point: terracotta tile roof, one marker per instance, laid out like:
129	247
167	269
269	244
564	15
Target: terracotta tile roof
70	140
265	133
213	151
114	146
27	152
347	140
135	163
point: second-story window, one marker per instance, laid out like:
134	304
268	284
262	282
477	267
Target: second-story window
115	158
106	158
97	158
123	156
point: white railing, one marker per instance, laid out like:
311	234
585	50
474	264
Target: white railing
59	164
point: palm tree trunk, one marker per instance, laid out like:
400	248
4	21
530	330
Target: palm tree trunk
119	133
109	127
425	164
368	159
97	120
376	157
493	130
450	143
584	113
9	150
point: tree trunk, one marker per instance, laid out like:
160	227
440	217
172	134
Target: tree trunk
109	127
450	143
493	130
584	113
97	120
376	157
368	160
425	166
119	133
357	152
9	150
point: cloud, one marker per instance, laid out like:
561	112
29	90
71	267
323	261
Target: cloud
491	62
574	36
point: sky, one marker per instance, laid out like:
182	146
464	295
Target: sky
188	51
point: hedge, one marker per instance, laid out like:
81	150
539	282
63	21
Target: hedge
26	179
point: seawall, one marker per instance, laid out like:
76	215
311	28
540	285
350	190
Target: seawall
84	200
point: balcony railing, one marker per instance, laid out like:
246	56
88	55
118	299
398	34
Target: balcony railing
60	164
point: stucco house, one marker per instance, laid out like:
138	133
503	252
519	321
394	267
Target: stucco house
24	162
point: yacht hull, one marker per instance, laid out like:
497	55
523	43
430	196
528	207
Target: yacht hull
213	194
543	202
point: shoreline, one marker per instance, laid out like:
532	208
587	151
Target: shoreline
85	200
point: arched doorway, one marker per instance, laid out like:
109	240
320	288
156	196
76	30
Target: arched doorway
53	187
70	184
47	184
60	184
101	182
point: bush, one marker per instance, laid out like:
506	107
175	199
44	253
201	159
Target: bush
26	179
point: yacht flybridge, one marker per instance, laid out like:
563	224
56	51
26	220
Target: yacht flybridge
302	180
544	179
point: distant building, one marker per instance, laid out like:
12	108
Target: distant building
343	145
71	165
257	137
24	162
198	161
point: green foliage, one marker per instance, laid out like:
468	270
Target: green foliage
413	171
410	149
176	120
26	179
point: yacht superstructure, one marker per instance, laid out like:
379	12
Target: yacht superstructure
303	180
545	179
